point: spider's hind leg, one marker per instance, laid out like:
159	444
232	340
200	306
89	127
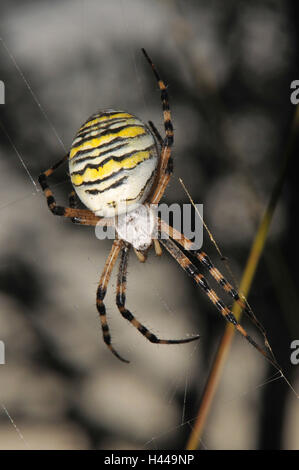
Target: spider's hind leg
200	280
205	261
101	292
121	304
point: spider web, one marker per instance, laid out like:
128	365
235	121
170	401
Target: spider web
176	393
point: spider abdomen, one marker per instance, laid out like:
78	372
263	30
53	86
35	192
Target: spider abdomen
112	162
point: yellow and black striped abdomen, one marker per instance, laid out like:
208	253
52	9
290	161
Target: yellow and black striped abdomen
112	162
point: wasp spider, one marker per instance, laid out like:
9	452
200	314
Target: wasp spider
118	164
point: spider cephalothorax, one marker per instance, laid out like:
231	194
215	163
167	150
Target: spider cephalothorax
119	167
137	227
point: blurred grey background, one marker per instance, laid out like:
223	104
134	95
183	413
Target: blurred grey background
229	66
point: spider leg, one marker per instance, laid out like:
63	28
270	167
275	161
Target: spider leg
73	203
200	280
216	274
82	214
101	292
156	133
141	255
121	304
165	167
158	249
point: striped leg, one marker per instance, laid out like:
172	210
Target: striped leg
82	214
121	301
156	133
200	280
216	274
166	164
101	292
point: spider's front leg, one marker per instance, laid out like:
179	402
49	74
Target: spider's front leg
121	304
165	167
156	133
